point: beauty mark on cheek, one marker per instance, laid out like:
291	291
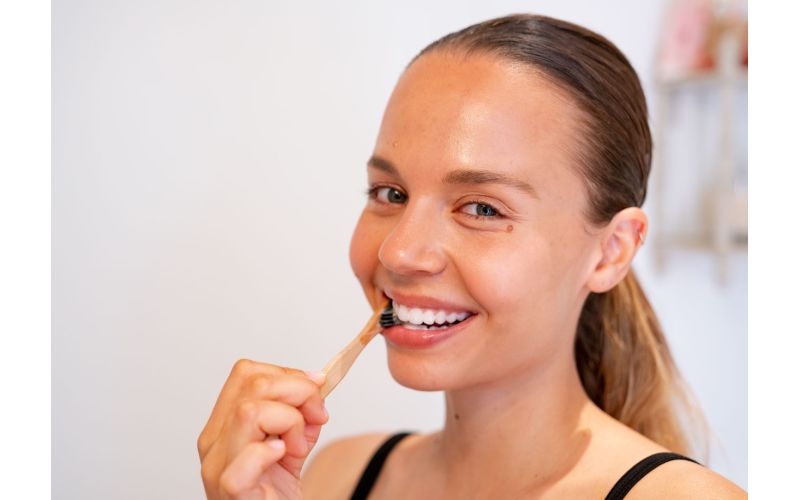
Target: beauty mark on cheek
509	228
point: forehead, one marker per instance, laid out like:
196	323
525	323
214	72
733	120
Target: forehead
451	111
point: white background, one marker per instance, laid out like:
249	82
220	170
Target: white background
208	169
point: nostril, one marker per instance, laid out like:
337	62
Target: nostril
418	264
413	249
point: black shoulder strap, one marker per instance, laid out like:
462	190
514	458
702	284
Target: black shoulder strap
373	469
638	471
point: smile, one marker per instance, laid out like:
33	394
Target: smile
416	318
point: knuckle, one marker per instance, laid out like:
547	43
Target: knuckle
325	417
297	418
243	367
261	386
247	411
202	444
290	371
228	483
315	398
312	440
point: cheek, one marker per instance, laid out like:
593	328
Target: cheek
364	246
523	282
502	276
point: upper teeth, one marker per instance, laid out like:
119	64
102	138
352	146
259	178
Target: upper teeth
419	316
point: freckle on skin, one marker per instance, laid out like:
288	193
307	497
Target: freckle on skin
394	144
509	228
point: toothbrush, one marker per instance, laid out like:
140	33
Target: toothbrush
337	368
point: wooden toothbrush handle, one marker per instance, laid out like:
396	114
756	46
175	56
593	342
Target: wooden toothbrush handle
336	368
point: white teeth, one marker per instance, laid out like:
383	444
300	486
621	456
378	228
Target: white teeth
418	316
402	312
412	326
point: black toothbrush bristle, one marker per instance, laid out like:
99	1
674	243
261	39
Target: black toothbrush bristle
387	317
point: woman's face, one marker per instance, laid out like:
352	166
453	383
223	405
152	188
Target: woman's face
476	206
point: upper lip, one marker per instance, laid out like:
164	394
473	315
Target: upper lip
424	302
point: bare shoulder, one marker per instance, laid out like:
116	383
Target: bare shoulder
333	470
681	479
619	447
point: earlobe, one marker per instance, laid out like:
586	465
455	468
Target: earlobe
619	242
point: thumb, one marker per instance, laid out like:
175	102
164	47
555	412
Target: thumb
295	464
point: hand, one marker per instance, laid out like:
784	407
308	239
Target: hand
265	422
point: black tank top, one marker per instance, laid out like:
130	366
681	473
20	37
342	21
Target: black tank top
618	492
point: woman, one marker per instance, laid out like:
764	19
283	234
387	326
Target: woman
505	185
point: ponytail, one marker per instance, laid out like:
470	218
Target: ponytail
627	370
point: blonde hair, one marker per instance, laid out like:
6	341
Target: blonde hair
627	369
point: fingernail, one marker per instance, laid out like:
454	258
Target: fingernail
276	443
317	377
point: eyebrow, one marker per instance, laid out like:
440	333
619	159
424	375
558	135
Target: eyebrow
460	176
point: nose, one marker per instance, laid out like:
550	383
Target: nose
414	246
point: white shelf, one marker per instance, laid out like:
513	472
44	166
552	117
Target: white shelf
700	78
728	232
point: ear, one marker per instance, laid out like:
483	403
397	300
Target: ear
619	242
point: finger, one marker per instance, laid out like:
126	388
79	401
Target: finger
255	420
243	473
290	371
311	433
316	377
295	464
242	371
314	411
294	390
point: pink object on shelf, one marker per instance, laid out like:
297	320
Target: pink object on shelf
685	46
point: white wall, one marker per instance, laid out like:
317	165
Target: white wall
208	164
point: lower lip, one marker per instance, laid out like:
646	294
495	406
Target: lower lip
420	339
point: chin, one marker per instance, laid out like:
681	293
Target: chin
413	371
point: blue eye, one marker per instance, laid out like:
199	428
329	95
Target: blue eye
482	211
387	194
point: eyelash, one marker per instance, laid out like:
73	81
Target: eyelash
372	191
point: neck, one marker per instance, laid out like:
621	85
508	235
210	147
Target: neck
531	425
